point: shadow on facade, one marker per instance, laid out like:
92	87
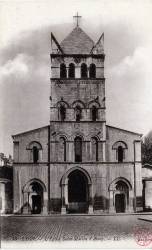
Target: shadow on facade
25	207
101	203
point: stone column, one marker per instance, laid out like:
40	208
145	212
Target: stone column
90	211
130	205
71	150
111	202
63	208
25	203
2	196
104	151
45	203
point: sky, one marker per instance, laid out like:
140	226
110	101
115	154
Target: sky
25	60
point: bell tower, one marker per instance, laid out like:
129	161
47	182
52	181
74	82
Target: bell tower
77	103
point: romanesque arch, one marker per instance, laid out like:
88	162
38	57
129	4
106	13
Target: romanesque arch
35	151
76	191
121	195
34	197
120	148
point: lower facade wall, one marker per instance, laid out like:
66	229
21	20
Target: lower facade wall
101	191
147	195
102	176
6	197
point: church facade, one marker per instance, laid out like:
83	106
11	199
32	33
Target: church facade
77	163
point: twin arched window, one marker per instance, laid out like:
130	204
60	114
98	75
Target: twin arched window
84	70
71	71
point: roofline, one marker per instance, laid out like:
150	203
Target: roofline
28	131
78	55
125	130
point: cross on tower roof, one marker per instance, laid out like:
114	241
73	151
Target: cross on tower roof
77	17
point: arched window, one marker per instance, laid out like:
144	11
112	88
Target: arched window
92	71
35	151
63	72
78	149
63	148
94	113
62	112
78	113
71	70
35	154
120	154
94	142
84	73
120	148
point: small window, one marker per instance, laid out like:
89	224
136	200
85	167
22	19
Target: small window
78	149
120	147
92	71
71	70
63	148
120	154
94	148
35	151
84	73
63	72
94	113
78	113
35	154
62	112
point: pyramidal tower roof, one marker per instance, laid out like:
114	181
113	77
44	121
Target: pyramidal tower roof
77	42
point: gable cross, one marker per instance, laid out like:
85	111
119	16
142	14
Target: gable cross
77	18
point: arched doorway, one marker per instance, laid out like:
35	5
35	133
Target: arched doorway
33	197
121	196
77	192
36	196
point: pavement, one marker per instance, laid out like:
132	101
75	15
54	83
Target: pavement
77	228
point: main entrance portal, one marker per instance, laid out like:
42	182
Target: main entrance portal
77	192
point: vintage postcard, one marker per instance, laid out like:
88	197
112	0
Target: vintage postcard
76	124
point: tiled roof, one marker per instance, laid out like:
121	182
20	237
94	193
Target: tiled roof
77	42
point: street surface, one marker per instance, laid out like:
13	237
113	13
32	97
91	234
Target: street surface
73	227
